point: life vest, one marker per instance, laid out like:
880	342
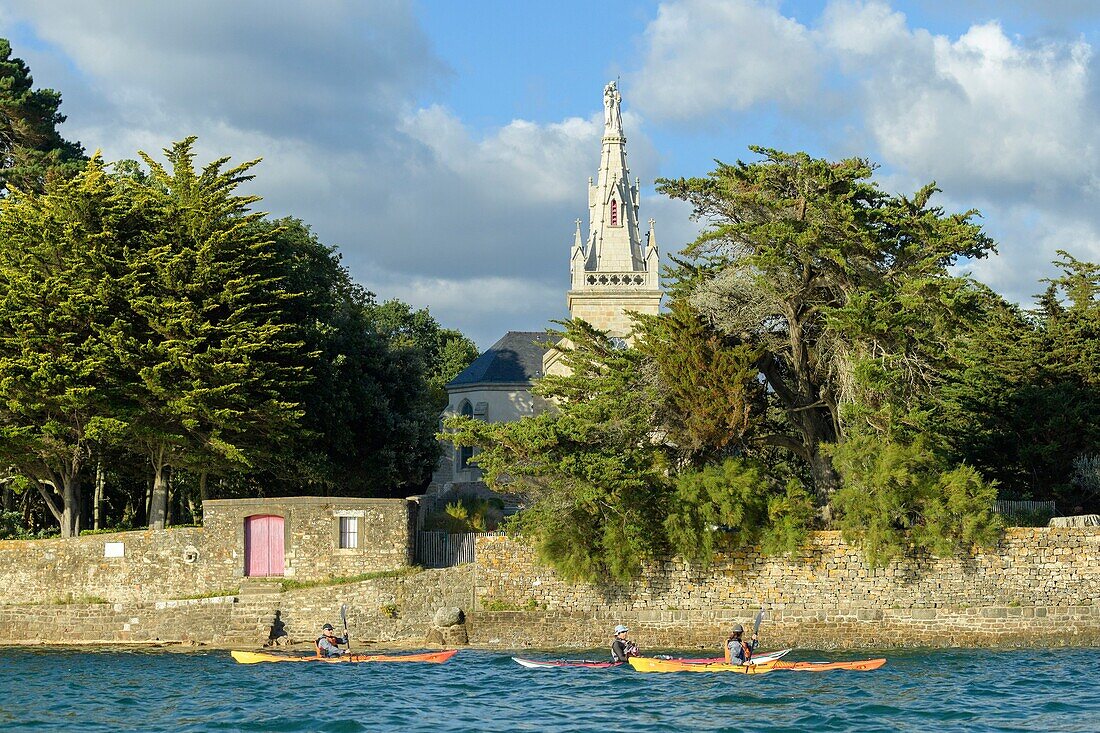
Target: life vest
320	651
746	649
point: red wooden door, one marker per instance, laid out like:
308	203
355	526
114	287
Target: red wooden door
263	546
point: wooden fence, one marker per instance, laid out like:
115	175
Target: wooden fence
1024	507
442	550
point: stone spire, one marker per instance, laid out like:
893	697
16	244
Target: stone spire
614	239
612	270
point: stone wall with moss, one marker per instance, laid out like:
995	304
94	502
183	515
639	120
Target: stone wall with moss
155	565
1039	586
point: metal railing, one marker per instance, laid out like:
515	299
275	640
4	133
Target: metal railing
443	550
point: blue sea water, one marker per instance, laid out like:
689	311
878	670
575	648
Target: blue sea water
952	690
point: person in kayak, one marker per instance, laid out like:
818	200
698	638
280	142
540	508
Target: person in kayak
327	644
738	651
621	647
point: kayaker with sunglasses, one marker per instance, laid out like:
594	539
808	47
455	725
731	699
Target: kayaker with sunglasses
621	647
327	644
737	649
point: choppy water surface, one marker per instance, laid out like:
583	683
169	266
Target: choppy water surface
957	690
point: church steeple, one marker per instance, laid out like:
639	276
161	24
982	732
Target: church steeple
613	270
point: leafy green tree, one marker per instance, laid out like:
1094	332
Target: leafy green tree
59	255
30	144
707	381
1021	403
371	409
596	476
444	352
809	262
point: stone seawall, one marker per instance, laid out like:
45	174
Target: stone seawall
1039	583
381	610
1040	586
843	629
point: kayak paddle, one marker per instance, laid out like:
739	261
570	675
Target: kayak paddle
344	616
756	624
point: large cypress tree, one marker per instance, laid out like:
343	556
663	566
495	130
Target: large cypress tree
209	342
30	144
844	290
58	261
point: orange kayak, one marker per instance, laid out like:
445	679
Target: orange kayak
862	665
428	657
648	664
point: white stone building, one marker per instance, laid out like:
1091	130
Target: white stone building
611	272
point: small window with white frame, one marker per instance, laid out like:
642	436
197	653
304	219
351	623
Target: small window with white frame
349	533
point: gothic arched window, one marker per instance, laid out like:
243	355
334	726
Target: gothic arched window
614	213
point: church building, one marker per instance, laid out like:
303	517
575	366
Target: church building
611	272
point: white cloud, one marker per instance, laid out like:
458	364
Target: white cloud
1004	124
525	161
861	29
481	307
709	56
984	111
1029	239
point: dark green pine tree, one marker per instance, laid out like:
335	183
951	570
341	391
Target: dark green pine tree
208	340
30	144
708	383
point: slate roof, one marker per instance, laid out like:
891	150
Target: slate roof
515	359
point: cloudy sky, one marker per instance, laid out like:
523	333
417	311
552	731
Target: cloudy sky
444	147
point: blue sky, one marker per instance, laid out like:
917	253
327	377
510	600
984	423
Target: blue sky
444	146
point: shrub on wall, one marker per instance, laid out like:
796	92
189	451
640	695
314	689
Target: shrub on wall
899	499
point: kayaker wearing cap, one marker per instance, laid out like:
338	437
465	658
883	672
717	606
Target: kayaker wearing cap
327	644
621	647
737	650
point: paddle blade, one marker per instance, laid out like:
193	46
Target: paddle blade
756	624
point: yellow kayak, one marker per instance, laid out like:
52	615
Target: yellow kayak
649	664
429	657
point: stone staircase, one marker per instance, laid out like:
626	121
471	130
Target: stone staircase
254	612
251	619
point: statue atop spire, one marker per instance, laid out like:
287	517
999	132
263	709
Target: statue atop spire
612	117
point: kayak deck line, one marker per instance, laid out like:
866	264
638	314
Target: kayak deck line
243	657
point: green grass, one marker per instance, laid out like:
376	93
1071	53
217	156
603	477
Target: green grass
78	601
288	585
207	594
